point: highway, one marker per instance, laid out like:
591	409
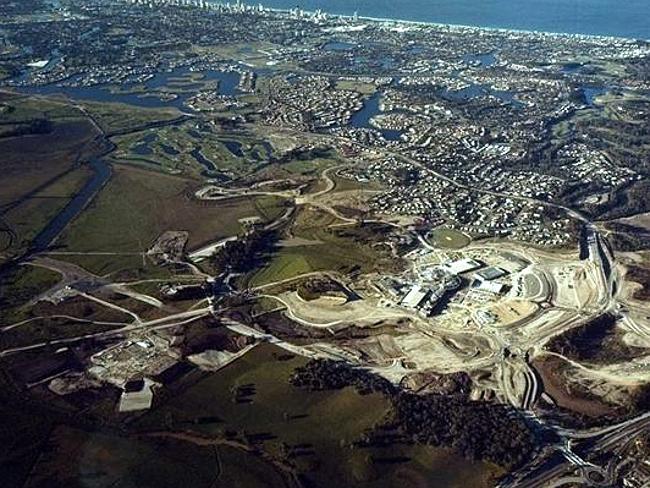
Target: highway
576	444
572	468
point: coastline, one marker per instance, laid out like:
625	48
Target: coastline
452	27
501	30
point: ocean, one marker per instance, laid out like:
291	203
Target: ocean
620	18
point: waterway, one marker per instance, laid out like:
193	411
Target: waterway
361	118
595	17
228	83
101	174
477	90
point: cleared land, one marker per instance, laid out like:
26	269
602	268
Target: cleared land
512	311
553	371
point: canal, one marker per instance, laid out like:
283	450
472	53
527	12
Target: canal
101	174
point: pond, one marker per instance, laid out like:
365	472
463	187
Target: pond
591	92
169	150
202	160
415	49
235	148
338	46
142	150
570	68
484	60
143	146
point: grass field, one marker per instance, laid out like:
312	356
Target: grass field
358	86
28	218
22	435
40	171
137	206
78	458
308	167
287	264
563	129
110	264
245	470
48	329
315	430
114	117
277	410
329	251
21	285
23	108
448	238
344	184
32	162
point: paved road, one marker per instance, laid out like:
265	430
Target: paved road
162	323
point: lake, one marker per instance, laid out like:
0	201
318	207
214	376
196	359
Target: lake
596	17
361	118
228	85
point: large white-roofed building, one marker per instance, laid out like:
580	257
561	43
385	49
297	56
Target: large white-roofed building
461	266
415	297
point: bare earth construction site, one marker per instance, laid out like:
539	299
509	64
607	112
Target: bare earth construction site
283	248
